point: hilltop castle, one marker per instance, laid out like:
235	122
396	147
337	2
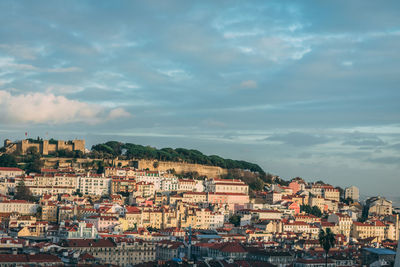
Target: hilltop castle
44	147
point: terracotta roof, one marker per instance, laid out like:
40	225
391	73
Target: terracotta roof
235	184
90	243
228	194
231	247
8	169
132	209
29	258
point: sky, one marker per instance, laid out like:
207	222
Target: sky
303	88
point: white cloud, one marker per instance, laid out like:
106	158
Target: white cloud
347	63
23	51
250	84
62	70
10	63
64	89
118	113
177	74
49	108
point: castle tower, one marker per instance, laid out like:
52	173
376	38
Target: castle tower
7	142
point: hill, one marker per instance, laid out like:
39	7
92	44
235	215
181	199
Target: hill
133	151
250	173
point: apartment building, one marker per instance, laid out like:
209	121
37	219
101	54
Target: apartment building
20	206
352	192
94	184
121	252
227	186
8	172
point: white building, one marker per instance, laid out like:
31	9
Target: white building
352	192
226	186
6	172
20	206
152	177
169	184
94	185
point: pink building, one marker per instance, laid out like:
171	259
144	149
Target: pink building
295	186
103	222
235	201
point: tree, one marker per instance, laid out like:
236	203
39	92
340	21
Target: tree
38	213
100	168
23	192
235	220
7	160
34	164
156	164
327	241
314	210
348	201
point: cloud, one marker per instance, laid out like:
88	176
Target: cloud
386	160
63	70
49	108
8	63
23	51
359	139
395	146
212	123
118	113
298	139
250	84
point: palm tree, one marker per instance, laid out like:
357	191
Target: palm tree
327	241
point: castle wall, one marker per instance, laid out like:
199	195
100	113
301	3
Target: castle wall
52	148
45	148
79	145
180	167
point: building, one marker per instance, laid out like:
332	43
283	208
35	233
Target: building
94	184
125	185
227	186
331	193
20	206
367	230
379	206
144	189
7	172
102	223
186	185
169	184
194	197
44	147
49	212
121	252
319	202
377	256
234	201
314	263
352	192
80	230
343	222
273	197
29	260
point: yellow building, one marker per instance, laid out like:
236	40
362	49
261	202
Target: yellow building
317	201
133	216
144	189
50	212
344	223
194	197
331	193
366	230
